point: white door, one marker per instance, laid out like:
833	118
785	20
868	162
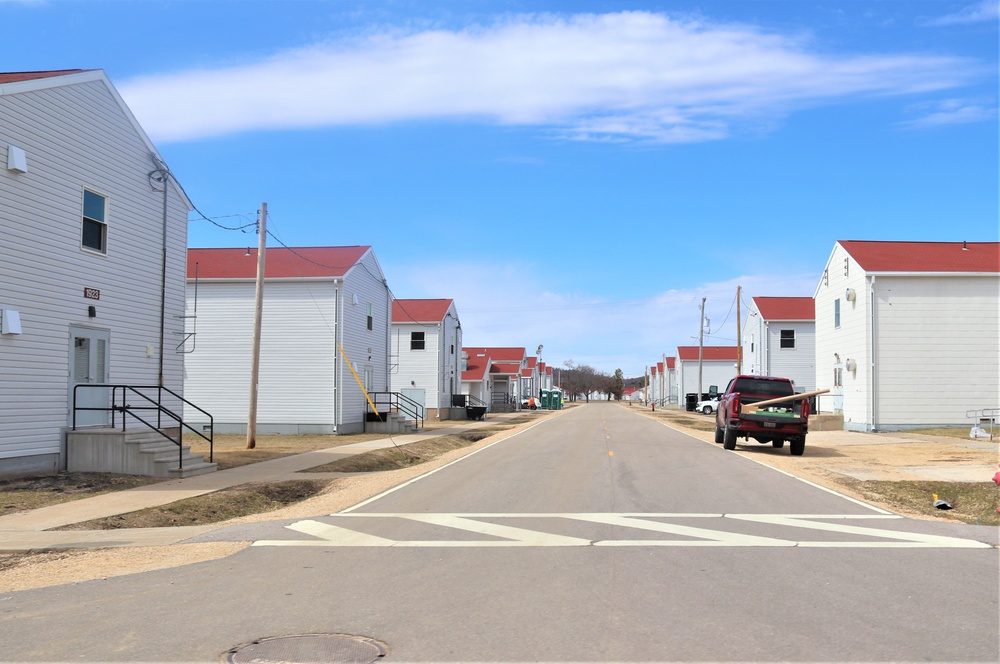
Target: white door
837	391
89	351
417	395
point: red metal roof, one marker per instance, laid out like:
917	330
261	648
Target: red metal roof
786	308
652	370
501	354
509	368
17	76
475	367
279	263
875	256
709	353
671	363
532	361
419	311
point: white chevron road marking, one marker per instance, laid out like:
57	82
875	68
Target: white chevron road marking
326	534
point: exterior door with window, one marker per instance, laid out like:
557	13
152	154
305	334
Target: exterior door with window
88	353
837	391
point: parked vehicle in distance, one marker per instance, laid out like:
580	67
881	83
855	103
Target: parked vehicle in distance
782	419
707	406
530	403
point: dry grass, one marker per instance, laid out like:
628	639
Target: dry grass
212	507
18	495
230	450
403	456
971	502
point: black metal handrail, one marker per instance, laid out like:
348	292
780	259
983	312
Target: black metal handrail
156	404
387	402
466	400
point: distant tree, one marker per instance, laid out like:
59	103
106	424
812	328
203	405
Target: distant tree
617	386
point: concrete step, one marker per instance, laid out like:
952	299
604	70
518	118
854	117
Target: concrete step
190	470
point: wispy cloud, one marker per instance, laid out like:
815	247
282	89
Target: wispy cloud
623	76
589	329
980	12
950	112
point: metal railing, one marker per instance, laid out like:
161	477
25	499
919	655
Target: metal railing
984	416
148	403
475	408
388	402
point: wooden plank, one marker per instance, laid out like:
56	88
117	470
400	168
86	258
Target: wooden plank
752	407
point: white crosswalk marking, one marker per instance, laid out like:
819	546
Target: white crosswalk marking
340	535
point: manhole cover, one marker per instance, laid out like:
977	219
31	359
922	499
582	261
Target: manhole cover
308	649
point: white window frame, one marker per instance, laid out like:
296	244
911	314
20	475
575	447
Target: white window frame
102	223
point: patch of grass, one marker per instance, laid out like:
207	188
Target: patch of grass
230	450
956	432
29	493
404	456
230	503
971	502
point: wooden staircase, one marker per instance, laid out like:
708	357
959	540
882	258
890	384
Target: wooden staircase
139	452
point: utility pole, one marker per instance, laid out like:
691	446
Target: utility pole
701	344
739	340
257	316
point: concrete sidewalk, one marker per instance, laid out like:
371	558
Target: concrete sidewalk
27	531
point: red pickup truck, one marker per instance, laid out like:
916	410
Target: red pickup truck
775	423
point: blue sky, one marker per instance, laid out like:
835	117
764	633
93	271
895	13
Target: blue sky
574	174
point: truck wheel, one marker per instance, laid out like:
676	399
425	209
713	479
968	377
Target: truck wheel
798	445
729	438
718	434
778	444
707	410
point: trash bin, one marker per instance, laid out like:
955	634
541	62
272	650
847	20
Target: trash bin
690	401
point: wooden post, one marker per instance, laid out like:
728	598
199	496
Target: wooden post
257	316
739	340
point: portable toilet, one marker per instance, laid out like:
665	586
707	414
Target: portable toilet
556	400
546	400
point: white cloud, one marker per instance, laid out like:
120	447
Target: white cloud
980	12
950	112
624	76
509	305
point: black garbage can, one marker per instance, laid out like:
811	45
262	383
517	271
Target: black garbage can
690	401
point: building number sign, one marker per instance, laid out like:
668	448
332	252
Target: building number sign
92	293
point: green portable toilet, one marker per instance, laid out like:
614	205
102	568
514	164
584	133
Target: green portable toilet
556	399
546	400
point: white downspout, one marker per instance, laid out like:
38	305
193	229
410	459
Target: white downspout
337	308
871	356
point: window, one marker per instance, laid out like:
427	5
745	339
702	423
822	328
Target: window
836	313
369	321
788	338
95	227
416	340
838	377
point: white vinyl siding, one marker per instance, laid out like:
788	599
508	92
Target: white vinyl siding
366	280
76	137
937	350
437	368
296	353
417	368
304	385
849	341
798	363
713	372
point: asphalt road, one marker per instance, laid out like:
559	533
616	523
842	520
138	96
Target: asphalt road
596	535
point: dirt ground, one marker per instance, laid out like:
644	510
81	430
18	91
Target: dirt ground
50	568
824	463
